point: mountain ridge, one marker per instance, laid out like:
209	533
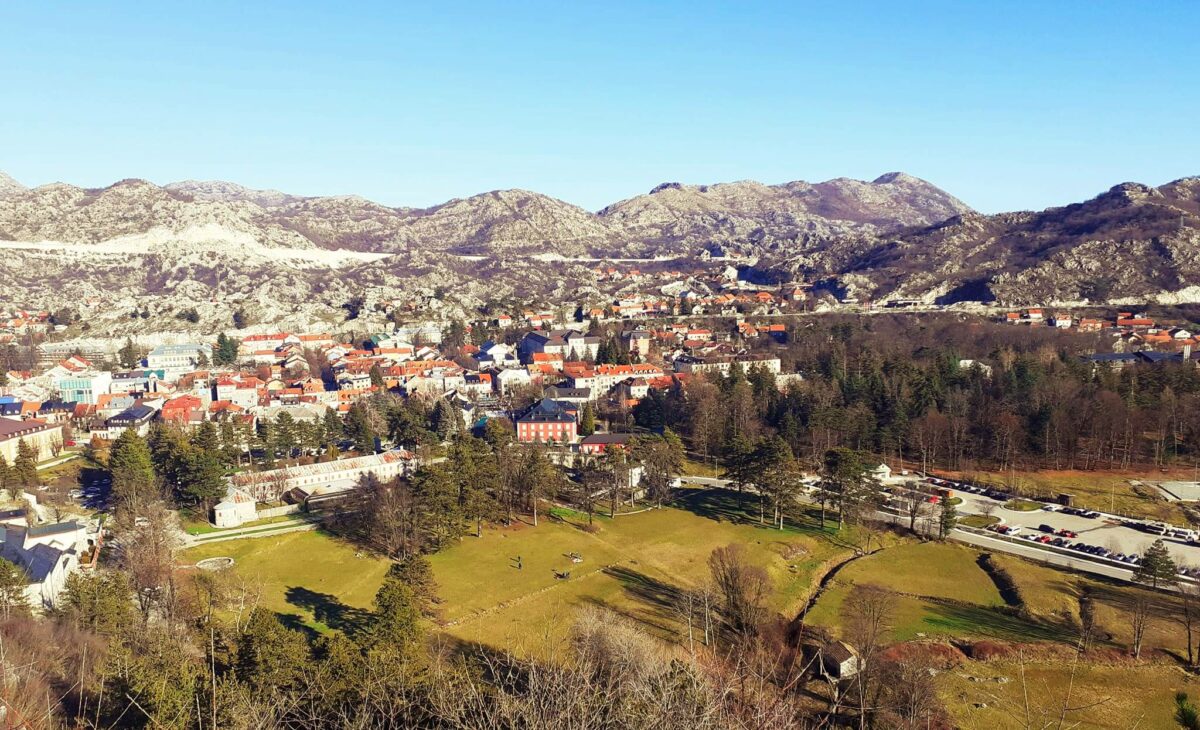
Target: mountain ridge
293	257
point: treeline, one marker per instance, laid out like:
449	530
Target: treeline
1036	406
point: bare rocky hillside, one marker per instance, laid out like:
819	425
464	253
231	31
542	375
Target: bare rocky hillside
220	247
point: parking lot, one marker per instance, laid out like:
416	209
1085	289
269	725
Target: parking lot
1102	531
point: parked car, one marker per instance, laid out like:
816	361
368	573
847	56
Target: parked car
1067	533
1045	528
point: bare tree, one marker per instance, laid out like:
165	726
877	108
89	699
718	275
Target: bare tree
1188	615
148	548
915	504
867	617
741	587
1139	618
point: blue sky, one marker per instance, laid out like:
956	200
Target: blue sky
1008	106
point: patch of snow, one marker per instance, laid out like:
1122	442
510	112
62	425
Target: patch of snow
201	238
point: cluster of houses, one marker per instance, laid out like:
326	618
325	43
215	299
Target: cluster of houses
1136	338
307	375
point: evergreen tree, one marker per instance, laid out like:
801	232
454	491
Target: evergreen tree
227	350
167	446
587	420
1157	567
130	464
129	355
447	420
395	624
101	602
286	435
13	582
416	573
376	375
456	335
947	518
270	656
358	428
231	445
25	467
207	438
7	480
202	478
331	431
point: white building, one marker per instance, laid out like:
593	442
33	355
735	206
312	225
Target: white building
270	486
48	554
83	387
42	436
179	359
236	509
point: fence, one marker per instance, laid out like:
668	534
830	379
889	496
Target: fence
287	509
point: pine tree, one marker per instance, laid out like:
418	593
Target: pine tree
331	431
227	350
202	477
587	420
207	438
13	581
270	656
129	355
134	483
947	518
447	420
286	435
359	430
6	475
376	375
395	624
1157	567
25	466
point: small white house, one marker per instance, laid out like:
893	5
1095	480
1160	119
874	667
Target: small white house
236	509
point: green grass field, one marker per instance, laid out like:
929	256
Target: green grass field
633	564
942	593
309	578
1053	595
1033	695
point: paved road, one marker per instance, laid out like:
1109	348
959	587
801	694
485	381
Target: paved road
1103	532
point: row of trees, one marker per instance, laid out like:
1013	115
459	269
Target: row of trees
1027	408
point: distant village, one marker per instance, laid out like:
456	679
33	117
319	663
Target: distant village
543	378
553	377
1135	337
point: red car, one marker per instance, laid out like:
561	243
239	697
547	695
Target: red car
1067	533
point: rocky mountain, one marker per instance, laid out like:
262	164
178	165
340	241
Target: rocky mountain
1133	243
673	219
219	247
751	218
9	187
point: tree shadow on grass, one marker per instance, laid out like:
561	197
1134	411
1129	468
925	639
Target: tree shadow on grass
657	598
328	609
958	619
742	508
295	622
